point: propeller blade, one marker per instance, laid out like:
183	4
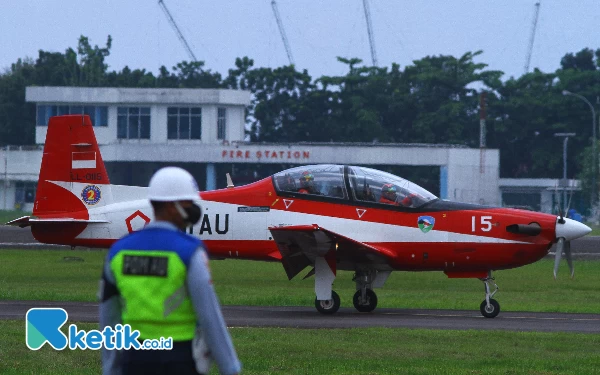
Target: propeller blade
559	249
570	199
569	259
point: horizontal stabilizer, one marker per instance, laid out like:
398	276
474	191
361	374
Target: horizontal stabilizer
20	222
26	221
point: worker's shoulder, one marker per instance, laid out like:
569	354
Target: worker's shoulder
153	238
188	239
186	245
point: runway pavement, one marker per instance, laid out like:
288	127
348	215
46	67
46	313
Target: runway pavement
307	317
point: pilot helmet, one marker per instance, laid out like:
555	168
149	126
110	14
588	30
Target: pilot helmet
307	178
388	190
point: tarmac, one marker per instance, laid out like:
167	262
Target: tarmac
309	318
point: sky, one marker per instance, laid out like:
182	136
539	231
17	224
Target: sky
318	31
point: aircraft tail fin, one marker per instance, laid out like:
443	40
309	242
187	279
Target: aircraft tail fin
72	174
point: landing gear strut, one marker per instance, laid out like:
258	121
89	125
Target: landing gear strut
489	307
365	299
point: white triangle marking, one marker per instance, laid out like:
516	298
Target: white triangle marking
360	212
287	203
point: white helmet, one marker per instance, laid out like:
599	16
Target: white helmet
171	184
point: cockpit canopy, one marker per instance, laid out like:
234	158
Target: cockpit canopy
364	184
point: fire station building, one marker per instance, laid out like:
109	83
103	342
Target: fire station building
203	130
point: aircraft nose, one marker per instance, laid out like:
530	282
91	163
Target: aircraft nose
571	229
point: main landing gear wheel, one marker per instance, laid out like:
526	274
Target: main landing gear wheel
491	310
370	299
330	306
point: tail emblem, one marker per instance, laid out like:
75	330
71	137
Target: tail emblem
91	194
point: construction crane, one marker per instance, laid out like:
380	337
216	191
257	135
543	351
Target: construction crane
370	32
286	44
532	37
177	31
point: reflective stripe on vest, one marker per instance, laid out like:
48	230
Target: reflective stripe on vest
152	287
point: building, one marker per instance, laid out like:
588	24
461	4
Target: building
203	130
541	194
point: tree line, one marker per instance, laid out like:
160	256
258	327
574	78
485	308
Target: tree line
434	100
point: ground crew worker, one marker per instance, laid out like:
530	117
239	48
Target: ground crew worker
157	280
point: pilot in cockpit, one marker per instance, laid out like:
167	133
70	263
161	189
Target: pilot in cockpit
307	183
389	195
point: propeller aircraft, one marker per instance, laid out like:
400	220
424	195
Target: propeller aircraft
325	217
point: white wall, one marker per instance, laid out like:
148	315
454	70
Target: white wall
20	165
235	124
473	176
7	196
158	100
158	127
209	124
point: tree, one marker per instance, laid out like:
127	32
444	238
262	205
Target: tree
582	60
433	100
17	118
92	67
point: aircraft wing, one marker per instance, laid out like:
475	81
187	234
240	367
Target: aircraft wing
299	245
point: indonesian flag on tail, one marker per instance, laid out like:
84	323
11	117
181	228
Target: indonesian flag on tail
83	160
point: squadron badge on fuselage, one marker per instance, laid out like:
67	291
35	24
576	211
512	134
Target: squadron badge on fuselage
426	223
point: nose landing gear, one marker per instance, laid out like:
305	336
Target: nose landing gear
489	308
365	299
366	302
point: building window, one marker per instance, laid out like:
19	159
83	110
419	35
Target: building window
133	123
221	123
184	123
25	192
98	113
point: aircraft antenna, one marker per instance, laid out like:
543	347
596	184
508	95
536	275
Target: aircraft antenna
177	31
532	36
286	44
370	32
229	181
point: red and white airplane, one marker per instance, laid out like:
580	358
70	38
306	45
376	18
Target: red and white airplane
328	217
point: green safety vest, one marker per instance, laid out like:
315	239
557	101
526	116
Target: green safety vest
152	285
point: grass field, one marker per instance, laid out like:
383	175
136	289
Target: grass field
73	276
351	351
